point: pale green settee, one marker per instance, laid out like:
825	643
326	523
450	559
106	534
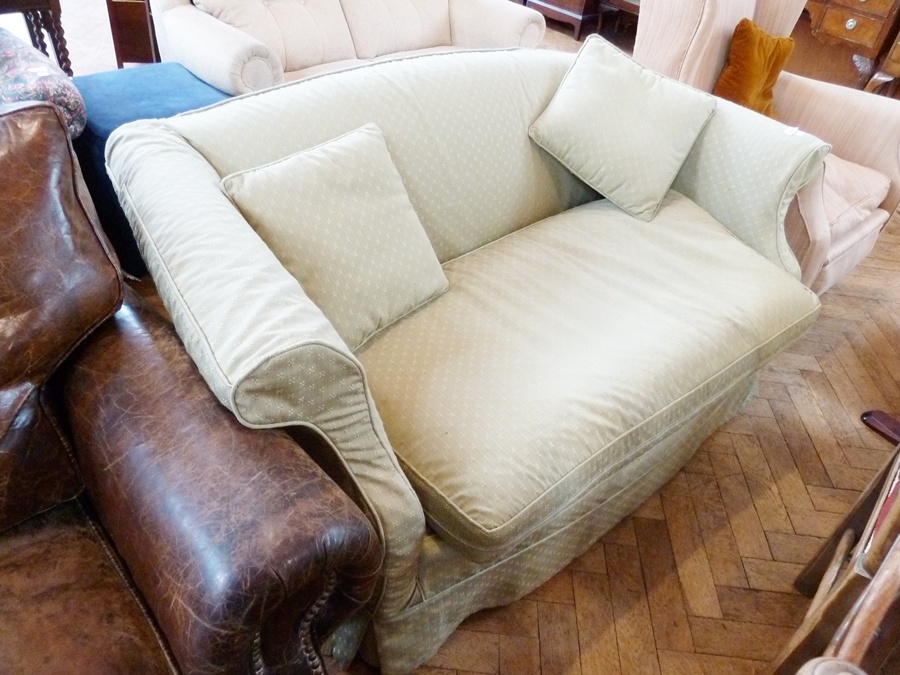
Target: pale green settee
576	362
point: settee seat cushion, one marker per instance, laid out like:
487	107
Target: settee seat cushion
542	371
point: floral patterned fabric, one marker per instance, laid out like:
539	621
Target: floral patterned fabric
28	75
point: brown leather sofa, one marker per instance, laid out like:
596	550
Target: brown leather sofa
142	529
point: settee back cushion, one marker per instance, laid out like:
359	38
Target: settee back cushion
302	33
387	26
472	178
631	159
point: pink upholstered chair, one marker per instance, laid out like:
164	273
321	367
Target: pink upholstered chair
836	218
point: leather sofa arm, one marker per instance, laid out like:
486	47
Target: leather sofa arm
245	552
494	23
867	130
219	54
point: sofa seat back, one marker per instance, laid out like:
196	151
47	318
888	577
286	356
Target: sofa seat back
548	346
301	34
305	33
383	27
472	178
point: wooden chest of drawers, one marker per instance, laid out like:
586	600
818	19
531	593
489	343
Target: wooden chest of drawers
867	26
574	12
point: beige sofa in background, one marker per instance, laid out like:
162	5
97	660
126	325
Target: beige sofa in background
245	45
578	359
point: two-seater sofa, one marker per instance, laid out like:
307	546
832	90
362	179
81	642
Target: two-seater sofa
240	46
573	357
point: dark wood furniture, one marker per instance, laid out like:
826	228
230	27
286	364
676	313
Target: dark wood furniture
626	13
885	79
578	13
131	24
42	18
844	616
869	27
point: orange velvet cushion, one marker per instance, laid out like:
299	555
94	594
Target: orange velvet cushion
754	63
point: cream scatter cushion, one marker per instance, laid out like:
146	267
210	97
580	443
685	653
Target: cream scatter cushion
338	219
621	128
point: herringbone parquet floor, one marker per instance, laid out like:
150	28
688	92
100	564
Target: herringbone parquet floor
698	580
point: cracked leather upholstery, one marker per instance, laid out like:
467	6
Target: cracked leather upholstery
58	281
229	532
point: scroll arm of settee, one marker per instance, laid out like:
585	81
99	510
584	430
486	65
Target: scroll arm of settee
488	23
219	54
245	551
745	169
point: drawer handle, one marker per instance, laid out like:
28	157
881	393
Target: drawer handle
851	24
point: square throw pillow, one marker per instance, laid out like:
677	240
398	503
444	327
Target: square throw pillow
622	128
755	60
338	218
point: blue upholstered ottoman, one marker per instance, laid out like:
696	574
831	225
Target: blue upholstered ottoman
112	99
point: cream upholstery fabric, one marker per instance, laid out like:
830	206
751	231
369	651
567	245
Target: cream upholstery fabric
845	197
301	34
629	158
271	356
487	23
293	39
778	17
338	219
688	40
516	386
810	105
851	193
383	26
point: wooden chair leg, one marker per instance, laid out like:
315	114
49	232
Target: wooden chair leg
883	424
58	39
807	582
35	30
871	631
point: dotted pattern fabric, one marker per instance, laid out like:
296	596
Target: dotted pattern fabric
338	218
273	358
556	357
472	177
740	156
629	158
453	586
